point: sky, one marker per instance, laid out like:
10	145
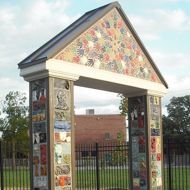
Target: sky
162	25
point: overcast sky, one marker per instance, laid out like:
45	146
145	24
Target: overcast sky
163	26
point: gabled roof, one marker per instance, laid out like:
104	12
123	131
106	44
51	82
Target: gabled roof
60	41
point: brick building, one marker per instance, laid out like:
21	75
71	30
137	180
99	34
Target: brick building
99	128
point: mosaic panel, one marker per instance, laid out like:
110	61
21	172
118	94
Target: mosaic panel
39	134
109	45
62	135
138	142
155	142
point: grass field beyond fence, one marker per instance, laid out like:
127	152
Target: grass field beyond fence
87	178
108	178
16	178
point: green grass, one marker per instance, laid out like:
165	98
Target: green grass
180	178
108	178
16	178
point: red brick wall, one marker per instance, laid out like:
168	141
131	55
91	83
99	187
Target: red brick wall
92	128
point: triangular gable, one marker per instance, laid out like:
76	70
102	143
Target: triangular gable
109	45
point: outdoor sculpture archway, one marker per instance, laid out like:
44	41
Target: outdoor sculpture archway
100	50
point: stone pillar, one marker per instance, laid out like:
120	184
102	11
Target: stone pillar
145	135
52	134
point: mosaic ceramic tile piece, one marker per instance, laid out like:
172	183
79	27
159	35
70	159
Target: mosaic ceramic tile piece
109	45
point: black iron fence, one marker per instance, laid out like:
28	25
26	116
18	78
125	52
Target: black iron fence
98	166
177	163
102	166
14	166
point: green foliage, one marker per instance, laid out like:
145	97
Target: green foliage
123	107
14	124
178	119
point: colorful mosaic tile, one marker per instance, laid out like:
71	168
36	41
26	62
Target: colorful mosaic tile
109	45
62	134
155	138
39	134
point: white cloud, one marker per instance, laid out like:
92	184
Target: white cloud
8	84
178	86
176	64
150	37
6	14
155	21
26	27
101	101
173	19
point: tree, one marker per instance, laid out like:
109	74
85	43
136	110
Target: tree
123	107
1	126
15	124
169	127
178	119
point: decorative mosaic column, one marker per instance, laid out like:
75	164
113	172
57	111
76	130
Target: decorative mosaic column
62	108
145	143
155	140
39	131
52	142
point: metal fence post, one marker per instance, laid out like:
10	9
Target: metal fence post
1	166
169	166
97	168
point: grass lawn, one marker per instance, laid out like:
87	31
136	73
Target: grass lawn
108	178
16	178
180	178
86	178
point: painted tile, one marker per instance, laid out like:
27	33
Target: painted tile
109	45
153	144
142	182
43	170
159	181
62	170
136	174
61	99
158	157
154	182
142	148
155	132
39	127
136	182
41	182
67	158
61	115
43	152
62	126
61	137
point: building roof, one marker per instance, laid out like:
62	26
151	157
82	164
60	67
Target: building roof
61	40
